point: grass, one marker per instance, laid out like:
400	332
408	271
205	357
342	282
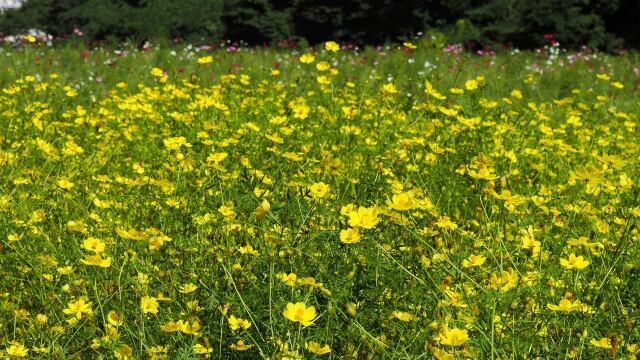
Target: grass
376	203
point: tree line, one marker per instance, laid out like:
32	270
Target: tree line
602	24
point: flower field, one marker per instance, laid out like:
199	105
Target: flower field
401	202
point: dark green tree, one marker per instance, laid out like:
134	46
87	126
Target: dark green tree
258	21
603	24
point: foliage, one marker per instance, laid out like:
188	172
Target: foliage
45	15
524	23
256	21
408	201
624	23
599	24
120	19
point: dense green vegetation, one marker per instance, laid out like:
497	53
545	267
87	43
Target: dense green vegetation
400	202
603	24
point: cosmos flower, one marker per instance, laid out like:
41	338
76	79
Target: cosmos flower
332	46
350	236
452	337
364	217
205	59
149	304
319	190
307	58
238	323
78	307
299	312
240	345
574	262
316	348
96	260
604	343
17	350
402	202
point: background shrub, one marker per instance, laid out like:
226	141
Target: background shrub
603	24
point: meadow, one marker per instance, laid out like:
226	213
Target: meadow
411	201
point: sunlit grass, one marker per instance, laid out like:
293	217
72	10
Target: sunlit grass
384	203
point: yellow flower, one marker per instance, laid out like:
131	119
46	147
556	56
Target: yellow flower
65	270
217	157
309	281
42	319
402	202
96	260
123	352
202	350
508	280
41	349
319	190
307	58
289	280
191	328
149	305
114	318
131	234
323	66
483	173
205	59
516	94
604	343
574	262
347	209
172	326
156	352
94	245
323	80
262	210
227	211
474	260
240	346
603	77
299	312
77	308
453	337
402	315
248	250
471	84
17	350
77	226
617	84
188	288
65	184
156	241
389	88
316	348
409	45
350	236
175	143
13	237
440	354
332	46
445	223
366	218
566	305
430	90
237	323
157	72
